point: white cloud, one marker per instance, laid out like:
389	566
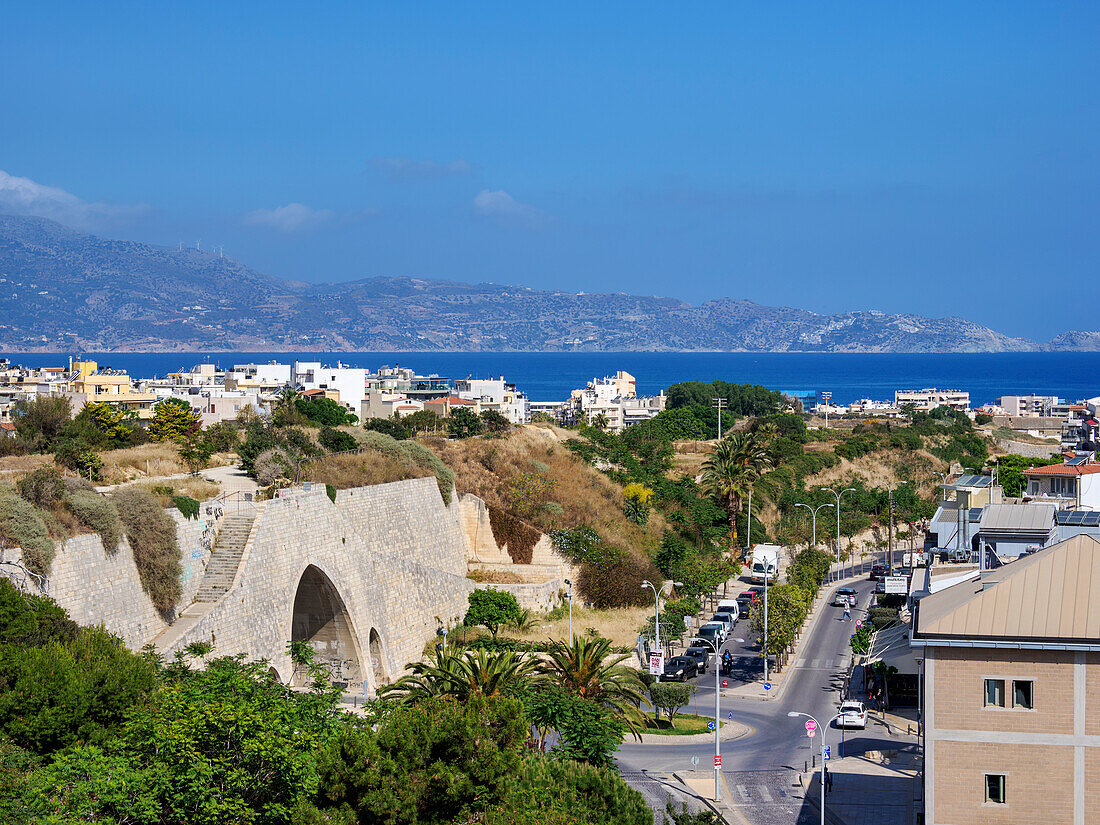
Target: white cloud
501	206
23	196
400	169
294	217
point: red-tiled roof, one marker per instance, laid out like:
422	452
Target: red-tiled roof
1063	470
7	425
314	392
454	399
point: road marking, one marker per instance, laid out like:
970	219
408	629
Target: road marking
829	665
741	789
800	663
815	664
764	792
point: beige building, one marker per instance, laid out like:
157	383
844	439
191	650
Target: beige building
1011	664
930	398
86	382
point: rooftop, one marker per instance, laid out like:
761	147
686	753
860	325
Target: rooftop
1050	596
1063	470
1018	518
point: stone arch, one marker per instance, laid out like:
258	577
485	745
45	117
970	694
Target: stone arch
321	618
273	673
377	659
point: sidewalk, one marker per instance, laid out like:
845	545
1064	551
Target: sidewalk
701	783
882	791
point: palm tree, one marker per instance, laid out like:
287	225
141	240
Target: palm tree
733	467
463	673
586	668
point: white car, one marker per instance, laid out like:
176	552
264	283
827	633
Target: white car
723	631
843	596
852	715
723	619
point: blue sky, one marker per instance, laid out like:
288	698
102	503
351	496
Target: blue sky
937	158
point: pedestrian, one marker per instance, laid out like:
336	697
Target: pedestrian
847	610
828	780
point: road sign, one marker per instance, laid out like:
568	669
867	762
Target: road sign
767	686
859	625
826	753
656	663
731	716
694	761
725	683
897	585
811	726
710	726
717	760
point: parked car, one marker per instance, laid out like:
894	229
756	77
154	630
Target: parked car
852	715
757	591
680	669
879	572
701	655
724	620
843	596
745	602
731	610
722	628
710	634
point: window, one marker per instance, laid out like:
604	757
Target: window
995	788
1023	695
995	693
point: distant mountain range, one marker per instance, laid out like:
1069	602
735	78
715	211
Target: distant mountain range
63	290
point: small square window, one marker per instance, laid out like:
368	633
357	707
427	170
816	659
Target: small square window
1023	694
995	693
995	788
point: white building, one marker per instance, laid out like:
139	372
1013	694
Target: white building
262	378
348	383
1028	406
928	399
1074	485
496	394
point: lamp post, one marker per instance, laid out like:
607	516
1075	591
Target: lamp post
794	713
838	495
717	718
720	403
814	511
657	591
570	583
826	396
943	486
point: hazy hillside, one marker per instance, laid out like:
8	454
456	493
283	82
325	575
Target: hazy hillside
63	290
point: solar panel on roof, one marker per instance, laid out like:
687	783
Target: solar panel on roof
1077	461
975	513
1092	519
1075	518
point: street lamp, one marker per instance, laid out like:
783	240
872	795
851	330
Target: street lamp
717	716
838	495
657	591
814	511
568	582
943	486
794	713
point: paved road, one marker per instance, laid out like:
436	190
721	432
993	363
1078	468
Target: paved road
761	767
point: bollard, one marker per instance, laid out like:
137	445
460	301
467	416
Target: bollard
813	761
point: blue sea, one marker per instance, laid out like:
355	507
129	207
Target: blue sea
549	376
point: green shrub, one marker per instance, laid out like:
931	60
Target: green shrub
387	426
78	456
42	487
22	525
337	441
151	533
330	491
188	507
97	512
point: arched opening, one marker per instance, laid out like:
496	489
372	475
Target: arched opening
376	658
321	619
273	674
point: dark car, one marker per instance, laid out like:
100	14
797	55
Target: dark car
744	603
757	592
680	669
701	656
879	571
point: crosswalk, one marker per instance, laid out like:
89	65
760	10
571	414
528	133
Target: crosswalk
767	797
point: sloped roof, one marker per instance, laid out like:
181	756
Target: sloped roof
1018	518
1052	595
1064	470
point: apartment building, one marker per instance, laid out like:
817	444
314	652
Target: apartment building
930	398
495	394
259	378
85	382
345	385
1011	691
1029	406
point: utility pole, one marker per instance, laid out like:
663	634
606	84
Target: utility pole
720	403
890	542
825	397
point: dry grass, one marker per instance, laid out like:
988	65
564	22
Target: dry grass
619	625
14	467
361	470
879	469
492	469
196	487
146	461
495	576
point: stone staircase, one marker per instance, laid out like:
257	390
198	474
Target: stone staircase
225	557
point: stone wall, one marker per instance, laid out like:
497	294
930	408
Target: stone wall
99	588
394	554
